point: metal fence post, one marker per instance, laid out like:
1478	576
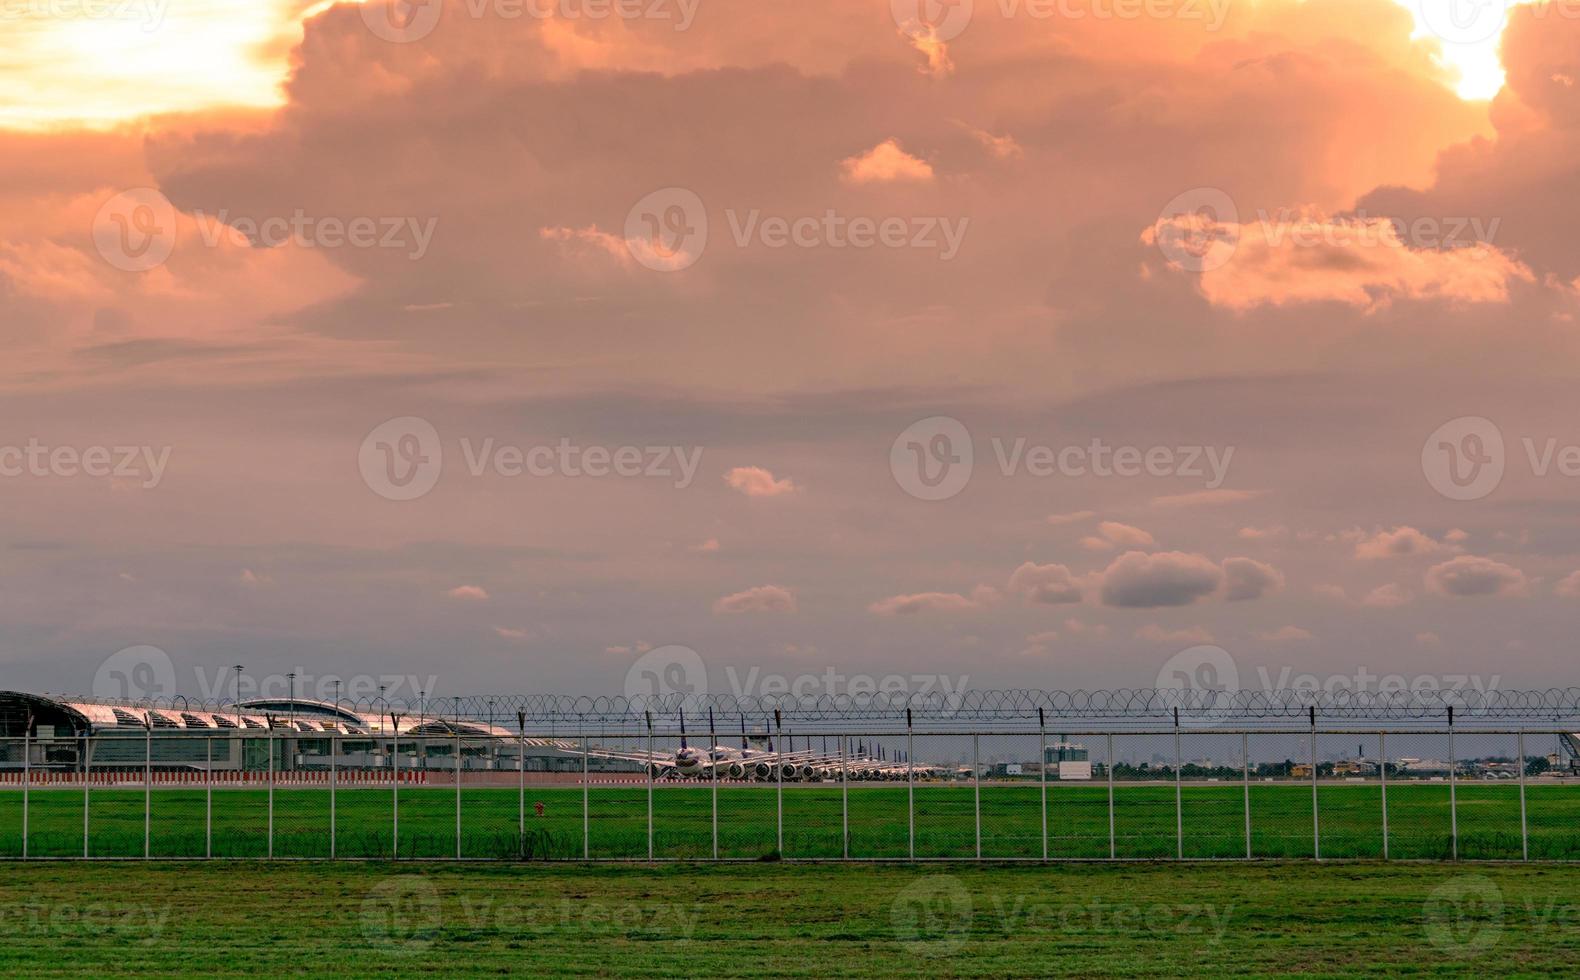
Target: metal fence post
910	790
334	777
521	785
1179	802
1245	761
650	758
586	827
1043	757
1316	813
394	791
208	796
1382	778
1113	841
148	785
976	787
844	796
27	777
1453	792
779	796
713	757
458	750
1525	833
271	789
87	768
394	800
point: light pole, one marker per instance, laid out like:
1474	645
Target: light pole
237	669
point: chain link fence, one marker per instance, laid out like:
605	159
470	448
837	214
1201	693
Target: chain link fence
1177	794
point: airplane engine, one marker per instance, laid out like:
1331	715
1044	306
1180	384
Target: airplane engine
788	770
762	771
655	770
735	771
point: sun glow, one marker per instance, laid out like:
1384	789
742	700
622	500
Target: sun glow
101	63
81	62
1469	33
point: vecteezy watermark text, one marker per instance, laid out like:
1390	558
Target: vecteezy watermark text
667	230
402	459
405	914
137	230
404	21
144	465
934	916
679	670
945	20
41	918
146	673
1209	682
933	459
391	232
149	13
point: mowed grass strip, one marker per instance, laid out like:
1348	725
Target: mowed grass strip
380	919
1145	823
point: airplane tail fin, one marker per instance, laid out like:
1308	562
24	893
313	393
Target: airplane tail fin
683	729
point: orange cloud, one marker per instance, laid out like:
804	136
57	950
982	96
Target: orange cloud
754	481
759	599
1360	263
884	163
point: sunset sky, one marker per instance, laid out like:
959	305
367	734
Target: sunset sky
1308	269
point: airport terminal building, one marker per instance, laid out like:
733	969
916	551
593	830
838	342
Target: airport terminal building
48	732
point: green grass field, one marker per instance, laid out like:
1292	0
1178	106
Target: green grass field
378	919
1078	827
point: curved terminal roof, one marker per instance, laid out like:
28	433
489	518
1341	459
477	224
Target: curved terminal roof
300	715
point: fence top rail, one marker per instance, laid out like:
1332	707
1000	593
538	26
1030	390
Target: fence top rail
1122	705
571	741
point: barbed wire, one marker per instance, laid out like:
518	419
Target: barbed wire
1151	705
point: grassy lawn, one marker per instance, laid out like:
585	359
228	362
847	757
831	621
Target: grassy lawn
1213	819
82	919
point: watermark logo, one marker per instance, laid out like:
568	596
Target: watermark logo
1463	459
1463	917
1465	21
937	20
144	465
932	458
402	915
401	21
124	923
1199	230
151	13
1466	458
401	233
931	916
666	671
135	230
135	674
404	21
401	459
414	691
1206	678
667	230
